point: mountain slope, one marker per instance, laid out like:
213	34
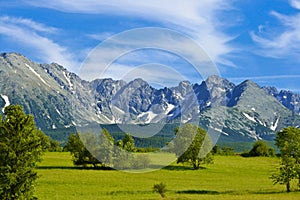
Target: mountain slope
60	99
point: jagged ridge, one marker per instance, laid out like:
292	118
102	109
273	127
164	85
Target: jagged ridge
60	99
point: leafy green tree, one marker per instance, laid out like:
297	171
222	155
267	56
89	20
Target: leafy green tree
105	148
192	145
81	155
288	142
128	143
261	148
54	146
21	147
286	172
91	148
124	158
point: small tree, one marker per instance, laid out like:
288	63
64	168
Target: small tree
192	145
21	147
81	156
124	158
287	171
288	142
104	150
160	188
128	143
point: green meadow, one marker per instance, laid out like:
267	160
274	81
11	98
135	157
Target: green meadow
230	177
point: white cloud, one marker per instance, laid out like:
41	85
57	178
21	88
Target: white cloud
129	48
196	18
275	77
282	41
155	74
295	4
100	36
30	34
28	23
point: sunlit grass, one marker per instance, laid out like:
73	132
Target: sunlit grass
231	177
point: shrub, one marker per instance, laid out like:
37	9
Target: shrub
160	188
261	148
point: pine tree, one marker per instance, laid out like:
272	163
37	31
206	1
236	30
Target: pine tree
21	147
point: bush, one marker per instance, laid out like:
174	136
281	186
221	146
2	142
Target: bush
260	148
160	188
227	151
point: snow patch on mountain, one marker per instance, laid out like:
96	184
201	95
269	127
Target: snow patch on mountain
249	117
69	81
7	103
147	117
35	73
58	112
274	126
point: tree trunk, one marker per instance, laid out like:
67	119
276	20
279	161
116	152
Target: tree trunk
288	187
196	164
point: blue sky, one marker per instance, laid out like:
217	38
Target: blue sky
246	39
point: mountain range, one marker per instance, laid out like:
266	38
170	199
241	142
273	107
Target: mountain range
60	99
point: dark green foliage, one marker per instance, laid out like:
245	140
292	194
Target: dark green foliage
127	143
124	158
160	188
216	150
81	156
192	145
100	150
260	148
288	142
227	151
21	147
286	172
54	146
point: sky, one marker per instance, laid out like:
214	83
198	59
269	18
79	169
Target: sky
160	40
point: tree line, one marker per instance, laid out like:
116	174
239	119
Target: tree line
191	145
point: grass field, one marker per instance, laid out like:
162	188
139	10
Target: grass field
231	177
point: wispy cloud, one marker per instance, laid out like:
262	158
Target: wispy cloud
198	19
28	23
35	36
139	47
264	77
283	41
100	36
295	3
155	74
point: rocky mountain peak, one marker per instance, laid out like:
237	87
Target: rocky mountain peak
59	99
